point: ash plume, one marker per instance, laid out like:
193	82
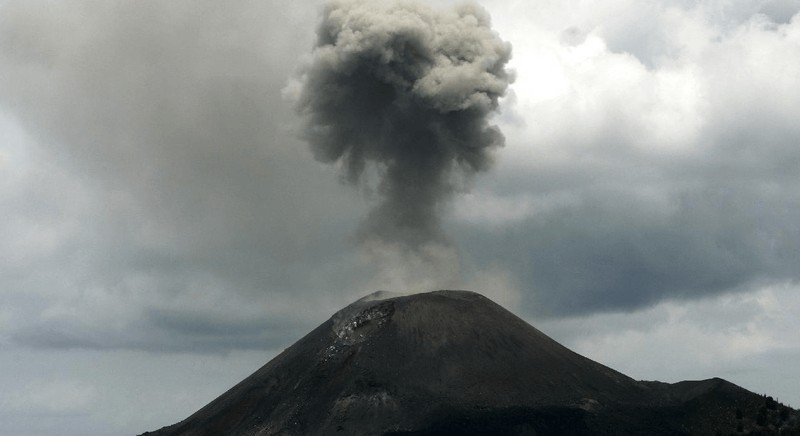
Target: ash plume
399	96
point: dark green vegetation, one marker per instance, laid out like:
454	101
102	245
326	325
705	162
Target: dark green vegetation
454	362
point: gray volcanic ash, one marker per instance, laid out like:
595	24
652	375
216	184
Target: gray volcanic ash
405	92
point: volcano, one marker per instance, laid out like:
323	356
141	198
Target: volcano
454	362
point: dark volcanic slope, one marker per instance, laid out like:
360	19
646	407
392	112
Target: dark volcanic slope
452	362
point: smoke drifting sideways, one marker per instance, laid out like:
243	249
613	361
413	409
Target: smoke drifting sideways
399	96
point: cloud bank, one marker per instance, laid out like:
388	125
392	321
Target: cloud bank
150	164
640	169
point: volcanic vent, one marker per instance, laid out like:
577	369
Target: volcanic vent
452	362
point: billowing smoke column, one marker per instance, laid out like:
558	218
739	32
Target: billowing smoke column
404	92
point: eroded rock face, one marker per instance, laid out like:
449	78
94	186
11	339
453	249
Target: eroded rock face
358	327
452	362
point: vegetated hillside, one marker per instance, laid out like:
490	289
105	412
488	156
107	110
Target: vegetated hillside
454	362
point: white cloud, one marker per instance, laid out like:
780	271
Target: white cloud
641	157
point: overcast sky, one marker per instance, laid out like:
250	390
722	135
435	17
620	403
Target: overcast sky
165	231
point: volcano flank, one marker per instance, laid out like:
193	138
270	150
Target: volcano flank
454	362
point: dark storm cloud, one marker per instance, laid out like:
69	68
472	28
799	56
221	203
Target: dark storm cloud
404	92
611	250
157	164
169	330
